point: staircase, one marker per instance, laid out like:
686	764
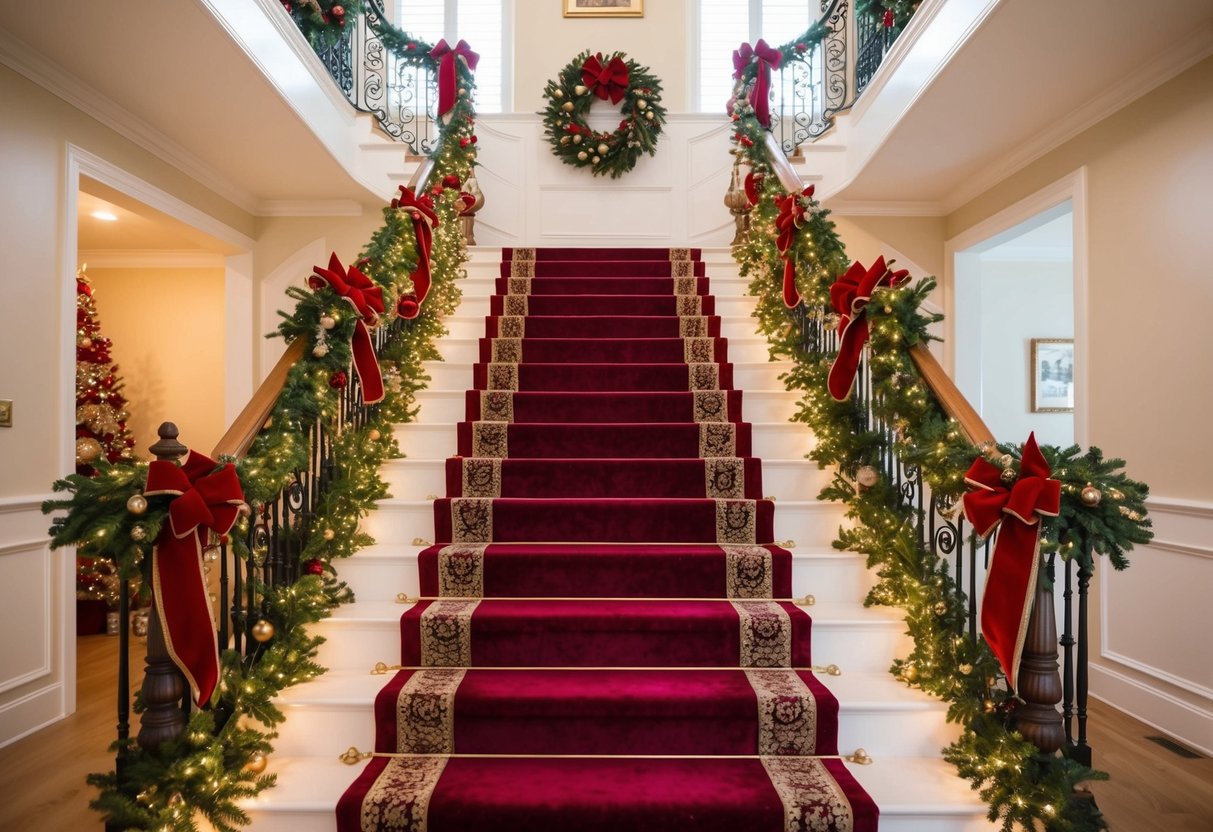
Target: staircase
650	479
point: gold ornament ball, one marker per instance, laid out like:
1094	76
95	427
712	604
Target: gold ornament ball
263	631
580	90
87	343
565	139
1091	496
577	139
137	504
988	706
320	351
966	669
138	533
558	93
582	155
602	148
87	449
329	534
596	159
641	104
374	435
909	673
867	476
256	763
649	115
1008	475
1005	460
567	106
328	321
941	608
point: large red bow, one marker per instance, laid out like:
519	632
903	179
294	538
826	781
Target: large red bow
206	499
768	58
793	209
425	220
849	296
367	299
608	80
447	81
1011	580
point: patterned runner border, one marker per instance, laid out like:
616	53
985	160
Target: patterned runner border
446	633
425	712
749	572
736	521
519	286
766	634
717	439
481	477
497	405
507	351
705	376
693	326
515	306
491	439
502	377
461	571
724	478
812	800
399	799
471	519
511	326
787	713
699	350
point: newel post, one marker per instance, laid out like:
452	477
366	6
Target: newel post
1039	679
163	684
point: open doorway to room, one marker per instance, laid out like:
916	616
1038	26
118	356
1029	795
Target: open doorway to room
1013	330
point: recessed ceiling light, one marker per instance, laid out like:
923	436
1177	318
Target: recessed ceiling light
105	216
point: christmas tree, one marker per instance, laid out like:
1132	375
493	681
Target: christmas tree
100	406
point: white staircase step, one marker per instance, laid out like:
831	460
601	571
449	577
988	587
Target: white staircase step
915	794
852	636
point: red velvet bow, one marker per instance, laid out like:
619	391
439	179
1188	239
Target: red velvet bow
849	296
768	58
367	299
447	81
605	81
1011	580
207	498
752	184
792	213
425	220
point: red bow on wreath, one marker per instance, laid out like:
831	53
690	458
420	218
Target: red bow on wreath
425	220
849	296
360	292
793	208
605	81
447	81
768	58
1011	580
208	498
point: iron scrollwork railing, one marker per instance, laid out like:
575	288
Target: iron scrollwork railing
809	89
942	530
872	42
402	95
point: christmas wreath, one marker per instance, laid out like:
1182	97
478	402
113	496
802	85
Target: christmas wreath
620	80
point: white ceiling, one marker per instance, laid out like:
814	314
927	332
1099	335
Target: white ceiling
1025	80
169	64
137	227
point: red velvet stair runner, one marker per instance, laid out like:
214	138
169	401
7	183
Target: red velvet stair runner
605	586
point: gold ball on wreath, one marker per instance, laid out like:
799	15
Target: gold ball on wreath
328	534
596	159
558	93
138	533
867	476
577	139
1090	496
580	90
566	139
941	608
256	762
328	321
582	155
602	149
263	631
909	673
374	435
965	669
137	504
567	106
1008	475
87	450
641	104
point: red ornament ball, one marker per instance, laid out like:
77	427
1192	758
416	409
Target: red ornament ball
338	380
888	19
338	11
314	567
463	142
450	181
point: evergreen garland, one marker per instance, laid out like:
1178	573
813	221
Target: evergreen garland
213	766
1103	511
615	153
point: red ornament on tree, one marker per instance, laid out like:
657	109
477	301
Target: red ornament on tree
314	567
450	181
338	380
889	19
338	11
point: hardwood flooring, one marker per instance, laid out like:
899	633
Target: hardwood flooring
42	786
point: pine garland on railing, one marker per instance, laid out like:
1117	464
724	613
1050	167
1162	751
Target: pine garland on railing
1102	510
220	758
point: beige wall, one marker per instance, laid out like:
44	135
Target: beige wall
165	325
544	41
1149	169
920	239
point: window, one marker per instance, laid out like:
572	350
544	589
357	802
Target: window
721	27
482	24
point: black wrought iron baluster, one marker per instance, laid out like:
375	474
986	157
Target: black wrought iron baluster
1080	751
124	660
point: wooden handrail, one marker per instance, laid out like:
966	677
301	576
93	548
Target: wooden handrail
239	437
950	398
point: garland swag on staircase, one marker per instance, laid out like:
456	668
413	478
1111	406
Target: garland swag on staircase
599	646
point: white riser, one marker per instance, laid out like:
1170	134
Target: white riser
379	572
783	479
876	713
774	440
810	524
467	351
746	375
856	639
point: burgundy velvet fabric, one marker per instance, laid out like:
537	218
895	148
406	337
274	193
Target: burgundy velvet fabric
606	570
618	478
597	324
603	351
603	629
589	407
614	305
604	633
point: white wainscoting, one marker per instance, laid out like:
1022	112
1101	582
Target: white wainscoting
37	655
1156	656
673	198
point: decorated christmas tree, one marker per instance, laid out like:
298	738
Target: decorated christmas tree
100	406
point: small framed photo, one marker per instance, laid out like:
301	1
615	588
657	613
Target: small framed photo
1052	375
604	8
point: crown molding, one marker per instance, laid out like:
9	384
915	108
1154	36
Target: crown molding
309	208
1140	81
21	58
151	259
859	208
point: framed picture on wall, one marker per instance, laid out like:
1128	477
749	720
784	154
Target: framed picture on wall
604	8
1052	375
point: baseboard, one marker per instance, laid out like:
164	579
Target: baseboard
38	709
1182	720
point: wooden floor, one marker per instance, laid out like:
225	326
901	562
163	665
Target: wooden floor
1152	789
